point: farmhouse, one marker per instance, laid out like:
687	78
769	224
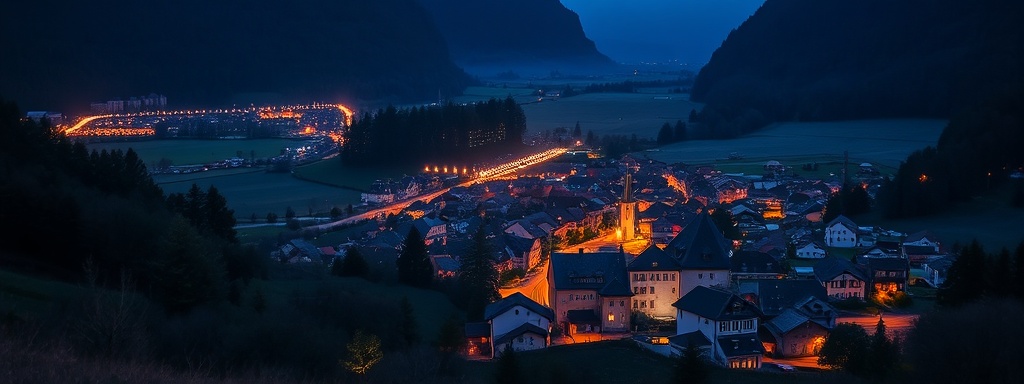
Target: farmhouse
811	250
841	278
841	232
590	292
727	321
519	323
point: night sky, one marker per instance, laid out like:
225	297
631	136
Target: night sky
660	30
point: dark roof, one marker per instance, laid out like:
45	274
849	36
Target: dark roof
740	345
498	307
787	321
887	263
755	262
919	250
831	266
844	220
716	304
656	210
615	287
701	245
518	245
478	329
526	327
775	295
582	316
653	259
919	235
590	271
684	340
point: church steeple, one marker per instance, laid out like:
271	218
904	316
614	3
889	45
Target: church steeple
627	210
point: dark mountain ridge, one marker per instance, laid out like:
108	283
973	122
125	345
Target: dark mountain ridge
830	60
511	34
66	54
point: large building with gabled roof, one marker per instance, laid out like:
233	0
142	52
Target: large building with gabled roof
590	292
702	253
654	278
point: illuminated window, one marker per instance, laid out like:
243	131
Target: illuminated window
611	317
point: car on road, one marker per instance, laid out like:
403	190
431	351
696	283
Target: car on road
778	366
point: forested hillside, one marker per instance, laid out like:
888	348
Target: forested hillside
510	34
66	54
462	133
834	60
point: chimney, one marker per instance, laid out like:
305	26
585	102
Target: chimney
581	250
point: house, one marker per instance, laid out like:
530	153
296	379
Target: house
841	232
773	296
811	250
654	278
445	267
727	321
800	330
524	252
478	339
922	239
703	255
935	270
590	292
888	274
519	323
756	265
841	278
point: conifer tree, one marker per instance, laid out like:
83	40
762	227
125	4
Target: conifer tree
478	279
413	262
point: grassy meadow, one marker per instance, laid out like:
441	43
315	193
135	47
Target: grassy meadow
884	143
332	172
184	152
261	192
621	361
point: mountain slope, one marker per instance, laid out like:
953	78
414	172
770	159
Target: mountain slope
826	60
198	52
515	33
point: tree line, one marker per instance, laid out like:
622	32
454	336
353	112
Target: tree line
976	152
798	60
450	132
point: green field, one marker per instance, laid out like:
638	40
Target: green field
183	152
884	143
989	218
261	192
431	308
610	113
332	172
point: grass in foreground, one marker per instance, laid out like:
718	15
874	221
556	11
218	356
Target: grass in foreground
620	361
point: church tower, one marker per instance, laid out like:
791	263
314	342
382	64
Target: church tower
627	210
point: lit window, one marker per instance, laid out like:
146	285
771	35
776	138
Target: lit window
611	317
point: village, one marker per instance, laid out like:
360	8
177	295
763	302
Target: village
596	249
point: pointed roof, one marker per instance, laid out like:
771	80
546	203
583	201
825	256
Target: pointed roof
616	287
716	304
590	271
516	299
524	328
831	266
700	245
774	295
653	259
845	221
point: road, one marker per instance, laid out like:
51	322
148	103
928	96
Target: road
482	176
895	323
534	286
